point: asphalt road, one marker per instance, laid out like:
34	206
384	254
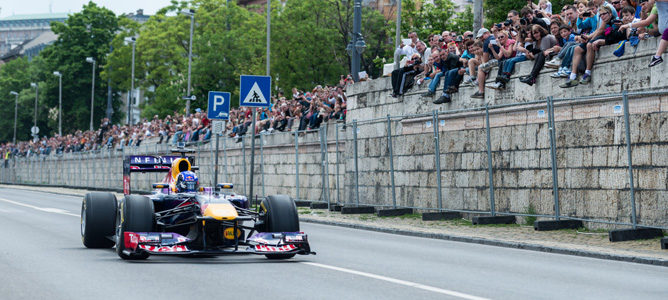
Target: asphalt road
41	255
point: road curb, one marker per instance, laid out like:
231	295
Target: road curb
493	242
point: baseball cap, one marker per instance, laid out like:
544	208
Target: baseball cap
481	31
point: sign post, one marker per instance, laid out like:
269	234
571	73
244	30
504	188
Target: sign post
218	109
255	91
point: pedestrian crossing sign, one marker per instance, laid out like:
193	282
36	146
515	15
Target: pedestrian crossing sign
255	91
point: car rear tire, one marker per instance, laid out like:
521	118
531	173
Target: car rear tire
98	219
135	215
280	216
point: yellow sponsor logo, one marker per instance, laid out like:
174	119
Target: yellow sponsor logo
229	233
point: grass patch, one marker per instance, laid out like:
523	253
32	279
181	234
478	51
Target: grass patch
460	222
367	217
407	216
500	225
529	220
585	229
305	211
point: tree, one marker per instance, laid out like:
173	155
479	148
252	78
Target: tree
84	34
230	42
434	18
304	44
496	11
17	75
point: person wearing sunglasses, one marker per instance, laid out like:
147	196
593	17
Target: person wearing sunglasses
543	48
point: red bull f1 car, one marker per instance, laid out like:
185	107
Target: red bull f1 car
180	217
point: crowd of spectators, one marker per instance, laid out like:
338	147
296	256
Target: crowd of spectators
303	111
566	40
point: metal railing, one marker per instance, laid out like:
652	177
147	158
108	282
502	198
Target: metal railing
465	160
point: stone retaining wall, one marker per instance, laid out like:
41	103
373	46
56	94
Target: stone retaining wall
590	140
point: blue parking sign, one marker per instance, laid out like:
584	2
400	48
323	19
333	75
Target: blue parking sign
219	106
255	91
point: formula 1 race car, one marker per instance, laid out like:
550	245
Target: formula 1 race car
180	217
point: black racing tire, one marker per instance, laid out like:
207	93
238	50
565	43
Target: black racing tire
98	219
280	216
135	214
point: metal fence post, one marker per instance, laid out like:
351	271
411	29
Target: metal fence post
262	162
326	167
625	98
225	160
437	154
79	183
390	150
322	163
553	153
297	161
490	169
338	194
243	153
357	179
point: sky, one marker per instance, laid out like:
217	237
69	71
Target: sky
21	7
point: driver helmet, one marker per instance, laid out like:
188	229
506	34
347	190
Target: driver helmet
187	181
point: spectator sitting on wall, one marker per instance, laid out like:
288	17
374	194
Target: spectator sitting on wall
488	61
522	48
563	60
608	33
436	72
402	78
544	46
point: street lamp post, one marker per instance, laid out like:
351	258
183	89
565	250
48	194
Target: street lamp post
16	111
33	84
60	102
132	80
92	91
357	44
191	14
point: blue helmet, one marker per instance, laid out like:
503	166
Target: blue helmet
187	181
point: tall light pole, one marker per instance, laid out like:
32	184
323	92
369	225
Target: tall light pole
35	130
16	111
397	38
477	15
191	14
131	40
110	109
357	44
92	91
60	102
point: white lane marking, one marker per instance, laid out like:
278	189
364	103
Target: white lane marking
44	209
398	281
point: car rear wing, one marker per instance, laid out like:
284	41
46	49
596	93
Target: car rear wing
148	164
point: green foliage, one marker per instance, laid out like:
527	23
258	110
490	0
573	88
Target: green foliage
304	49
434	18
84	34
531	210
496	11
16	75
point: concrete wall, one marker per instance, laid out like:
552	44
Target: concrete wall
590	149
590	139
105	169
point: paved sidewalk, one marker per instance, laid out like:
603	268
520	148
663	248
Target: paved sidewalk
573	242
567	241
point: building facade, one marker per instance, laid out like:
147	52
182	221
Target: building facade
18	29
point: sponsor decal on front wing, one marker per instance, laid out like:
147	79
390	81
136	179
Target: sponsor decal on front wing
284	248
177	248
